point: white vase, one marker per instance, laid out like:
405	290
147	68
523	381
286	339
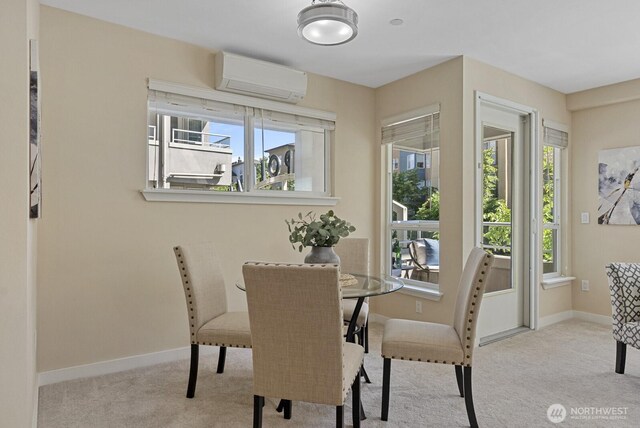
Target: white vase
322	255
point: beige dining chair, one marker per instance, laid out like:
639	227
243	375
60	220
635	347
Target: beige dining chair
441	343
286	302
354	258
209	321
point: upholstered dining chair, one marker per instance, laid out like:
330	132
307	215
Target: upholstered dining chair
624	285
286	302
354	258
441	343
209	321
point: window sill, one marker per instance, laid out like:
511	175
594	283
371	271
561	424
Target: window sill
558	281
425	293
174	195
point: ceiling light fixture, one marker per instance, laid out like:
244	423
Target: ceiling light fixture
327	23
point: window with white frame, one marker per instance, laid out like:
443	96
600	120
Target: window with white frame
555	143
202	143
412	143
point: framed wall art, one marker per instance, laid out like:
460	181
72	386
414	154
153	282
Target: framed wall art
619	186
35	181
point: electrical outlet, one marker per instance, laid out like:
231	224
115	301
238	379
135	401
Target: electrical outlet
418	307
585	285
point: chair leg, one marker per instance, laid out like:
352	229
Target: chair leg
361	336
459	380
339	416
258	403
287	409
355	402
221	358
386	378
193	372
366	337
621	356
468	398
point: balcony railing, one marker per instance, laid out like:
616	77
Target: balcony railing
200	138
504	237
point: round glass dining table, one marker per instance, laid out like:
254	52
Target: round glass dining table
356	286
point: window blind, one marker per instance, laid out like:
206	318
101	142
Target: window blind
186	106
289	118
555	137
419	133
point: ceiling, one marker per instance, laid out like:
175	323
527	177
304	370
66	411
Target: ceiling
567	45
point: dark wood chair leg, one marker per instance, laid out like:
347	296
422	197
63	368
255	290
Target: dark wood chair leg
339	416
193	371
386	378
355	402
361	337
621	356
459	380
366	337
468	398
287	409
221	358
258	403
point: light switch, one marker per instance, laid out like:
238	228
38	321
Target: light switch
584	218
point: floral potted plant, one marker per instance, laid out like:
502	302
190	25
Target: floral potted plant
319	234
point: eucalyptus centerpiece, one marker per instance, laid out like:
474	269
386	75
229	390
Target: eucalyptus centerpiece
319	234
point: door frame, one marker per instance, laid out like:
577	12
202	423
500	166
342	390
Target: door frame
531	218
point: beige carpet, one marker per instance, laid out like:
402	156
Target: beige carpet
515	381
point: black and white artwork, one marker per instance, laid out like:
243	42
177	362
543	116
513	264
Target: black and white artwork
619	186
34	136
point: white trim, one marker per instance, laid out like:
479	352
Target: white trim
534	204
501	102
596	318
566	315
555	318
292	198
211	94
118	365
425	293
558	281
413	114
555	125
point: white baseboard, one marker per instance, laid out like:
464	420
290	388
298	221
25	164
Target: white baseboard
554	318
599	319
118	365
144	360
563	316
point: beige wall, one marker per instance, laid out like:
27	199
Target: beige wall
609	121
108	284
551	105
18	24
440	84
453	85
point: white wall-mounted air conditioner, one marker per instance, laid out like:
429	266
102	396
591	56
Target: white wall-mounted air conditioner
248	76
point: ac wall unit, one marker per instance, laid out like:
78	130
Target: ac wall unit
248	76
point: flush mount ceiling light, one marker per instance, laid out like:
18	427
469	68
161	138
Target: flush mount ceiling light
327	23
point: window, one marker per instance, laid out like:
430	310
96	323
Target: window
412	143
555	142
203	140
